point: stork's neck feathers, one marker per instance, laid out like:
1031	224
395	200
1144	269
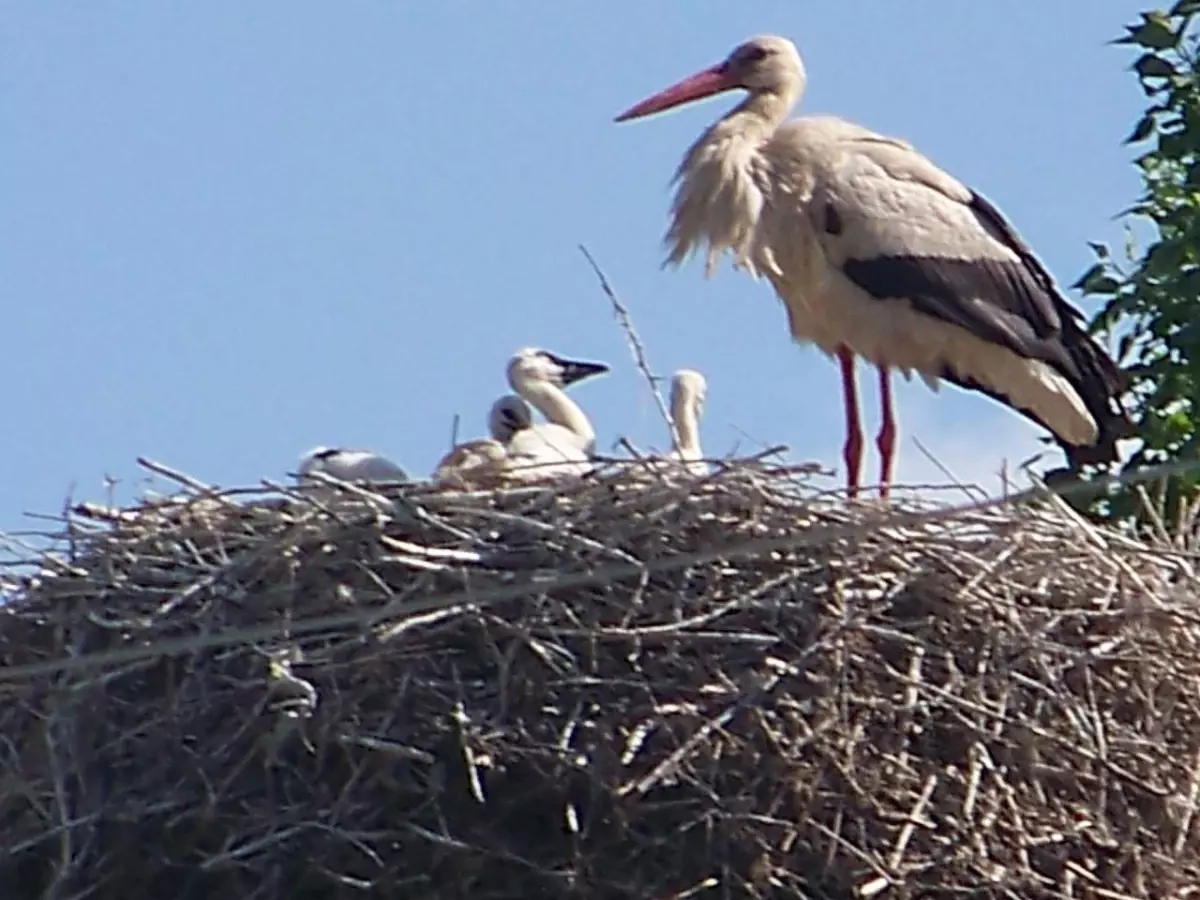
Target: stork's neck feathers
553	402
689	431
759	114
722	186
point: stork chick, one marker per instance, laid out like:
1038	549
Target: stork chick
689	391
484	459
565	442
350	465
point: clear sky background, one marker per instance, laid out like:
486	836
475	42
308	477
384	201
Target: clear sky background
230	232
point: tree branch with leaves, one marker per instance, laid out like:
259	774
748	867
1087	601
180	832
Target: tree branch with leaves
1151	298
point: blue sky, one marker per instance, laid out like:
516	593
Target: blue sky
235	231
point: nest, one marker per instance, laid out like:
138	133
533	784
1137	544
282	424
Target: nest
642	686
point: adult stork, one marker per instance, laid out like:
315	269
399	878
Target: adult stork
876	252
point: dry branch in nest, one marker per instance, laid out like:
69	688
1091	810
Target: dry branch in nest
638	686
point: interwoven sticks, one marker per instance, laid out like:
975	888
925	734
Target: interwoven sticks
598	692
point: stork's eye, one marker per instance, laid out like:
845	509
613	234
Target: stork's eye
752	54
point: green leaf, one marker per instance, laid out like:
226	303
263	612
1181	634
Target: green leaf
1106	284
1094	272
1125	344
1155	33
1127	38
1141	130
1097	280
1177	144
1150	302
1164	259
1151	65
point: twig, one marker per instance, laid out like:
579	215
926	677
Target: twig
965	488
817	536
998	644
180	478
635	343
914	818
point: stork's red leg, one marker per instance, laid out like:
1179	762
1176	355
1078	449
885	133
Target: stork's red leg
853	450
886	441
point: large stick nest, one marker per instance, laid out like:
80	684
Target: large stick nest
639	687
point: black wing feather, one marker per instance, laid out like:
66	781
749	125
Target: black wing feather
1014	304
992	299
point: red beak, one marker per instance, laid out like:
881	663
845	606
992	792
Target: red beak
694	87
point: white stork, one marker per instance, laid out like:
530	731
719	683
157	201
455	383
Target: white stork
350	465
484	459
689	390
567	437
877	252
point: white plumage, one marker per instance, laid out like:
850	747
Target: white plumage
351	465
689	390
564	443
482	461
876	252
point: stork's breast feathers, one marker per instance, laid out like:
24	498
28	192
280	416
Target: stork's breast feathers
719	202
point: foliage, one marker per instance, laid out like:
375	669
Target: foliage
1149	298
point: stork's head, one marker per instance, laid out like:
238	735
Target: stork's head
535	365
760	65
508	415
688	389
764	63
316	460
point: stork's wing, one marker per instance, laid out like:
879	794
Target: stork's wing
378	468
470	460
901	229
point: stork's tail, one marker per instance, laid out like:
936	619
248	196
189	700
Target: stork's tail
1116	427
1101	385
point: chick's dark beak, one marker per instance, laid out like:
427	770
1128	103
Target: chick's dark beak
576	370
